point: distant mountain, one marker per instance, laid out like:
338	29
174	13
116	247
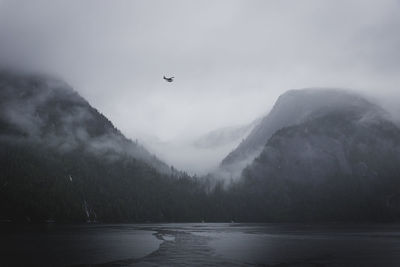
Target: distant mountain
225	136
291	108
337	157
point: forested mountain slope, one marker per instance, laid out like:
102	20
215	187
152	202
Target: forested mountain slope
61	159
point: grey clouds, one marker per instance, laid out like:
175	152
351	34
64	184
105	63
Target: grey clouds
231	59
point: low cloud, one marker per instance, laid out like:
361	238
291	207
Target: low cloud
231	59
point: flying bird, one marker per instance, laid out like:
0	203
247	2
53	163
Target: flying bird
170	79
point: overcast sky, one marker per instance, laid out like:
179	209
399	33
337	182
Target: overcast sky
231	59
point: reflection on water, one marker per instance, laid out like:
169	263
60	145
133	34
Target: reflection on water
202	244
310	245
53	245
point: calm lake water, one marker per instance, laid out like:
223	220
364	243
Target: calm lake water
191	244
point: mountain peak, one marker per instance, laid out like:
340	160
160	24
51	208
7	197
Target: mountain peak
292	108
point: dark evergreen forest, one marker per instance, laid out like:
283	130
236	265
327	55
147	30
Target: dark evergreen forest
61	160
